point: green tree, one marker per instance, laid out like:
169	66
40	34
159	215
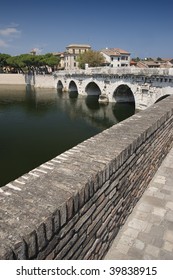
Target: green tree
50	60
92	58
17	63
136	59
3	61
30	63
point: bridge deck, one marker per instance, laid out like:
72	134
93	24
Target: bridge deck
148	231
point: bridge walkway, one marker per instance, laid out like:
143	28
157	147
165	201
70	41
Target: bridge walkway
148	231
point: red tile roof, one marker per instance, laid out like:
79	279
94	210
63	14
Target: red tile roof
114	51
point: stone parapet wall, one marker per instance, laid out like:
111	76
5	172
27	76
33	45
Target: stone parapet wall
73	206
119	71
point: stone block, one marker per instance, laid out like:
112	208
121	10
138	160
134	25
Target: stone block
152	250
63	214
70	208
49	227
65	249
20	250
76	203
56	221
6	253
168	236
31	241
41	237
81	197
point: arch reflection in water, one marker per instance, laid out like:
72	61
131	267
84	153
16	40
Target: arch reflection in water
123	110
73	94
92	102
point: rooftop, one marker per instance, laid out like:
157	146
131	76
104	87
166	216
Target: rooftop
78	46
114	51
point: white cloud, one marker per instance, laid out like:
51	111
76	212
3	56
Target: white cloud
9	31
3	44
8	34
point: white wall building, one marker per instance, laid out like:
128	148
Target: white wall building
116	57
71	54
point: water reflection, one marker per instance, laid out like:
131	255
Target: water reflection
92	102
38	124
123	111
73	94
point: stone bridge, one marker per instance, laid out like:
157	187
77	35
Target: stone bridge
143	87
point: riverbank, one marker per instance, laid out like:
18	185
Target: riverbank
38	81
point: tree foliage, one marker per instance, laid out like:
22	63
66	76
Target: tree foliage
3	60
27	62
136	59
92	58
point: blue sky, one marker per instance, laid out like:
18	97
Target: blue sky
144	28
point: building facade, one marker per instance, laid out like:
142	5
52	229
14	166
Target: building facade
71	54
116	57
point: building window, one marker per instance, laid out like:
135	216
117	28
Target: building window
74	64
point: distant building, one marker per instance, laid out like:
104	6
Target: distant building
71	54
133	63
155	63
166	63
33	52
116	57
60	66
147	64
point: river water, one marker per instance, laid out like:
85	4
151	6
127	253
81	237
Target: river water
39	124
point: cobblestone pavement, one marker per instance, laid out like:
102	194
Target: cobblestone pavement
148	231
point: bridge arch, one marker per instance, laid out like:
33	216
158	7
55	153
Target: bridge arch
92	89
162	97
123	93
59	85
72	87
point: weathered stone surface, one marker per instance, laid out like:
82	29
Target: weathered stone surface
31	241
6	253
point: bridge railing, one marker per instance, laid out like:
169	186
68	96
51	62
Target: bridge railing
117	71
